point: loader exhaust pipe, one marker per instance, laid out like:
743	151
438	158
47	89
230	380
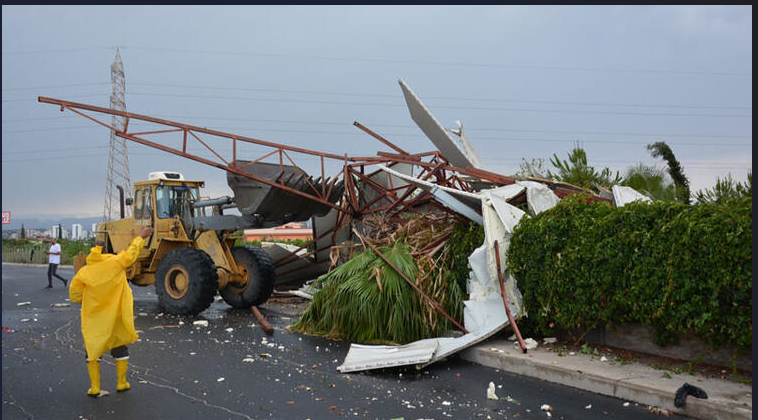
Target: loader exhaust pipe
121	199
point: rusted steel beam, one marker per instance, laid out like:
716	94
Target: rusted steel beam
380	138
505	299
434	304
490	176
262	320
227	168
71	105
207	147
517	199
379	188
413	187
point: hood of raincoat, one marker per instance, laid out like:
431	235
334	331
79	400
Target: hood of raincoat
96	255
107	301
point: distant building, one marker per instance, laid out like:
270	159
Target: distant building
76	231
63	235
94	228
289	231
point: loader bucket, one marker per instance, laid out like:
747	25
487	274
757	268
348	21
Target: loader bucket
275	206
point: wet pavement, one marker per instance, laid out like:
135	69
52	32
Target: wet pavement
231	369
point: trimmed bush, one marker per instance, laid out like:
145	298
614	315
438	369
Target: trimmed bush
680	269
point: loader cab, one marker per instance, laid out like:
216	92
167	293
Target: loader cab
165	195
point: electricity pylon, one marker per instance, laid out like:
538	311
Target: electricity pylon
118	159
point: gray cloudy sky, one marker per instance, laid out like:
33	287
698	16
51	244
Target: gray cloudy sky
525	81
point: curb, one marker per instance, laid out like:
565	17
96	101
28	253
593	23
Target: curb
637	383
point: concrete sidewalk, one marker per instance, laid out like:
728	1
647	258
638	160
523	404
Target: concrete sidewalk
635	382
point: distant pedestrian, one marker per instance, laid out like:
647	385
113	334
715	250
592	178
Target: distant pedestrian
54	258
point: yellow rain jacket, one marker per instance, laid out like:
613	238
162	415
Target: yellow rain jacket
106	298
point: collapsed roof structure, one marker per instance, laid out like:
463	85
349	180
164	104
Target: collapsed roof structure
273	189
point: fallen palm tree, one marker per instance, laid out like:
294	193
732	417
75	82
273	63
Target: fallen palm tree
366	300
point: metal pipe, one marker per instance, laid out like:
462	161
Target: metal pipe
505	300
267	328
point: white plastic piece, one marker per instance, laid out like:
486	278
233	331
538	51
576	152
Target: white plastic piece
201	323
550	340
623	195
491	392
529	342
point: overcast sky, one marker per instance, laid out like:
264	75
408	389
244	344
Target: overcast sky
525	81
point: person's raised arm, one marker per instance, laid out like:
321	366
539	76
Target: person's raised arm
129	256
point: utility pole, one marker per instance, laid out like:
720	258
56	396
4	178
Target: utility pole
118	159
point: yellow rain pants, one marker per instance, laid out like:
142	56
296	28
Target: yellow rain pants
106	298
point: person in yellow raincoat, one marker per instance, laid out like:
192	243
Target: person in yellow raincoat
107	308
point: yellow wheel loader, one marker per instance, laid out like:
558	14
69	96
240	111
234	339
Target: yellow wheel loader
190	254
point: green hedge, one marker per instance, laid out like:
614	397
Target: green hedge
680	269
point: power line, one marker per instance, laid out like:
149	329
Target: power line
436	97
657	114
342	124
379	95
525	139
193	150
444	63
381	60
56	86
57	51
99	95
686	164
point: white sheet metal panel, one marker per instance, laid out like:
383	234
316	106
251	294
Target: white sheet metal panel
451	202
506	192
433	129
623	195
509	214
363	357
471	153
539	197
495	229
483	315
472	200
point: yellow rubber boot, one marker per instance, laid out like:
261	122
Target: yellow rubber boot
94	377
121	367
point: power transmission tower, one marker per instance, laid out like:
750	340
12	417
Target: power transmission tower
118	159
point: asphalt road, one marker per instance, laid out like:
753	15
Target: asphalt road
232	370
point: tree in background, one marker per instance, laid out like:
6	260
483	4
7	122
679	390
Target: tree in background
652	181
23	232
60	231
661	149
726	190
577	172
532	168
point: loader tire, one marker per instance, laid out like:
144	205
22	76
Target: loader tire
186	281
260	281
